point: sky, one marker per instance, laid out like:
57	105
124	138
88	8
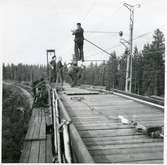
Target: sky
29	27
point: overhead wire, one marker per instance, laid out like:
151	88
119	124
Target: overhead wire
104	32
89	11
140	36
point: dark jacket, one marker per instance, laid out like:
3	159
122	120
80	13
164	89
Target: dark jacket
53	63
78	35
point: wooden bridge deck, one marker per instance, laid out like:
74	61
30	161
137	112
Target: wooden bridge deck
37	144
107	139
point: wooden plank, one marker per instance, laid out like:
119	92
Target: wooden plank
37	123
30	125
33	158
72	114
127	150
90	139
116	122
120	146
118	158
118	138
25	152
95	117
89	119
42	151
94	122
124	141
146	162
49	156
115	112
29	137
39	115
96	126
109	113
104	133
101	127
147	116
32	128
42	132
126	110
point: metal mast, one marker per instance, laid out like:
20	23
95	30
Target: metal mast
128	83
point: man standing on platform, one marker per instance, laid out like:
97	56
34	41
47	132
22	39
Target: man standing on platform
79	41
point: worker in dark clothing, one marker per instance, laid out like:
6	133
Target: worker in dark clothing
38	87
34	87
79	41
59	72
75	72
53	71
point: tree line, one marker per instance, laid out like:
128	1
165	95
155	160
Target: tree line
148	70
23	72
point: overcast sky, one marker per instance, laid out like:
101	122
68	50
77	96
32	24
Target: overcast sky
31	26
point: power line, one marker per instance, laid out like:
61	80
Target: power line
93	5
105	32
89	11
118	9
140	36
95	60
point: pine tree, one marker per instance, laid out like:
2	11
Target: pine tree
137	71
153	65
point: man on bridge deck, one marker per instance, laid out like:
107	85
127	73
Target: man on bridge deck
59	72
54	69
79	41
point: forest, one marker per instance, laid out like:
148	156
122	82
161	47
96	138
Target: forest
148	70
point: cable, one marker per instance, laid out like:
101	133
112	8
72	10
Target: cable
98	47
89	11
92	6
117	10
95	60
104	32
140	36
